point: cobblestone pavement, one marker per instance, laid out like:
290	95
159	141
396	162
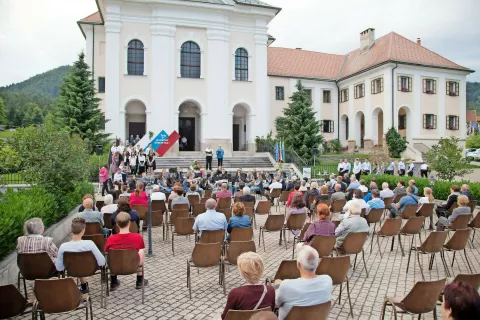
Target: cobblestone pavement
166	297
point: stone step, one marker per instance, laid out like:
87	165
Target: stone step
229	162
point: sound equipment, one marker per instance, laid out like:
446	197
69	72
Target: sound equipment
99	150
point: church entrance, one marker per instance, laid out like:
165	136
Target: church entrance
187	134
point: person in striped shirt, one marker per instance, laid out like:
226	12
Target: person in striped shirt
34	241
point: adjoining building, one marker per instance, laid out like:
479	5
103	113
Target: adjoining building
206	68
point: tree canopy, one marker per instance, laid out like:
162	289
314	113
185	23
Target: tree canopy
446	158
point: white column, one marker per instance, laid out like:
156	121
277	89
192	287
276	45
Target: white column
262	102
112	80
162	75
441	121
334	105
217	77
416	108
352	132
387	98
370	122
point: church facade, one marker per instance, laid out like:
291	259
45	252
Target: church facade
207	69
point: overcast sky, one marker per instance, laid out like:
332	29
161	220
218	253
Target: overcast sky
38	35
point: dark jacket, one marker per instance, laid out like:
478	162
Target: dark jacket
247	198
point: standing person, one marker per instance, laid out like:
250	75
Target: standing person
133	162
141	162
115	163
391	168
340	167
401	168
208	157
357	168
411	166
131	139
104	176
424	170
151	162
220	154
137	139
121	150
346	168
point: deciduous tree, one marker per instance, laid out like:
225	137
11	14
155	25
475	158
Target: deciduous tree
446	158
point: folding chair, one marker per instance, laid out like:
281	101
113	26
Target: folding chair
458	242
183	227
206	255
274	223
12	303
315	312
391	228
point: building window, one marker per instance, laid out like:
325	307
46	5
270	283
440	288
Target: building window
429	121
429	86
452	122
327	96
279	93
402	122
309	94
190	60
404	84
359	91
327	126
452	88
344	95
377	85
101	84
241	65
135	58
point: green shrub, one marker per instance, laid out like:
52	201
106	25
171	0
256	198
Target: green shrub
396	144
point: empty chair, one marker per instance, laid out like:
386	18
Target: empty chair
471	279
324	245
193	199
432	245
198	208
353	244
375	216
178	213
458	242
208	194
426	211
183	227
227	212
34	266
286	270
316	312
206	255
472	204
474	224
391	228
263	207
398	197
388	202
59	296
141	210
412	228
294	222
409	211
275	194
241	234
283	198
274	223
107	220
299	238
158	205
421	299
12	303
337	206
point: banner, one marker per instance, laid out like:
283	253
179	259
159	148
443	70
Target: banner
158	140
168	143
307	173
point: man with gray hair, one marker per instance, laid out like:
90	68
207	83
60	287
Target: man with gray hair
210	220
157	194
90	215
353	223
34	242
338	194
308	290
465	191
247	195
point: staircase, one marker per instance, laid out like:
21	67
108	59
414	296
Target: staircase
259	161
423	149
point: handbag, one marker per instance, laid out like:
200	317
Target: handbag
261	298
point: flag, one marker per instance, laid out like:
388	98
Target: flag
276	151
283	151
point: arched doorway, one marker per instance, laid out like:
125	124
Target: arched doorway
359	128
343	130
404	122
377	126
135	118
239	127
189	126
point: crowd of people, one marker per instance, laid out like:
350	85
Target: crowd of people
364	167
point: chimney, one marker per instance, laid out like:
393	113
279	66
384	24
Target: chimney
419	42
367	38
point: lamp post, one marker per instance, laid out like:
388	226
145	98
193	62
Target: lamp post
148	189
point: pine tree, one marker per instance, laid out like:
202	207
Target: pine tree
3	112
33	115
298	128
77	105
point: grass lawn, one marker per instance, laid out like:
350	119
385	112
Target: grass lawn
6	134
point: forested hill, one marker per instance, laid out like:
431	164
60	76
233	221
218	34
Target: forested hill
44	84
473	96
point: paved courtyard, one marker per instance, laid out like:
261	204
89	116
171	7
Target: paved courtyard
166	297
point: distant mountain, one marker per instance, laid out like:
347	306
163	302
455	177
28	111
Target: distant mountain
42	85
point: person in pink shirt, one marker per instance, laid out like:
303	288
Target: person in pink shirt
223	193
139	196
293	193
103	174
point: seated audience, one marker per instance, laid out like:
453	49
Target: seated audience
376	202
118	178
297	206
460	302
124	192
293	193
446	205
91	215
239	193
323	195
238	219
352	224
465	191
247	197
353	183
180	198
132	184
308	290
108	205
223	193
400	189
193	192
254	294
210	220
157	194
373	185
79	245
139	196
87	196
322	227
312	192
34	241
303	186
386	192
343	185
357	198
409	199
126	240
463	209
411	183
124	206
174	193
428	198
362	186
258	185
338	194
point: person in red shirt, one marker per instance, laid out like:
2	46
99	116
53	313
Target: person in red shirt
139	196
294	192
126	240
224	193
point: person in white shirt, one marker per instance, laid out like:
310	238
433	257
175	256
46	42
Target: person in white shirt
113	149
108	205
308	290
366	168
390	168
118	178
424	170
156	194
363	187
121	148
357	168
142	162
133	162
340	167
357	198
411	166
386	192
346	168
401	168
275	184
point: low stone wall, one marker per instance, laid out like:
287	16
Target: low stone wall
60	231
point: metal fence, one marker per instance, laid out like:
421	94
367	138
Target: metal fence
11	177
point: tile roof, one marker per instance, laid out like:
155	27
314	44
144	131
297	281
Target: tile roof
304	64
94	17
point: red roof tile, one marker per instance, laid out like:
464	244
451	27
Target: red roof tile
94	17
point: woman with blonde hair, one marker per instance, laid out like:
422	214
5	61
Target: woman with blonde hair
238	219
428	198
253	295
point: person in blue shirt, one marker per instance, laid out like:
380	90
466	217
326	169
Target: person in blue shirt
411	183
390	168
376	202
238	219
220	154
397	208
353	183
210	220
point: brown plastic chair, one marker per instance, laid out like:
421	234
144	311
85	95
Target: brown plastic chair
283	199
421	299
388	202
93	228
208	194
236	248
180	206
122	262
183	227
474	224
472	204
315	312
432	245
206	255
300	237
158	205
426	210
243	314
412	228
227	212
249	212
59	296
241	234
177	213
157	221
141	210
471	279
12	303
98	239
310	200
274	223
34	266
458	242
324	245
409	210
337	206
374	216
286	270
248	204
107	220
198	208
212	236
337	268
391	228
224	203
398	197
275	194
353	244
193	199
294	222
454	206
461	222
263	207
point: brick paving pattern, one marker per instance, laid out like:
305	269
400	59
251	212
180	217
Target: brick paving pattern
166	297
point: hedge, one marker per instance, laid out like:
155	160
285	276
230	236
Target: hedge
441	189
18	206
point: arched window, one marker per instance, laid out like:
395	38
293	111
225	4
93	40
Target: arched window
135	58
241	65
190	60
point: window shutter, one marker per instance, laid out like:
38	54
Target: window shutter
332	128
409	84
457	88
372	87
381	84
434	122
346	95
434	86
456	123
355	90
424	121
424	85
447	86
363	90
447	122
399	83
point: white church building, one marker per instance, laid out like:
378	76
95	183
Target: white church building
208	69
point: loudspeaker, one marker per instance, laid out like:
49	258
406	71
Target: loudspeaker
314	151
99	150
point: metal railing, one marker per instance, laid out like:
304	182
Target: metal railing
11	176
